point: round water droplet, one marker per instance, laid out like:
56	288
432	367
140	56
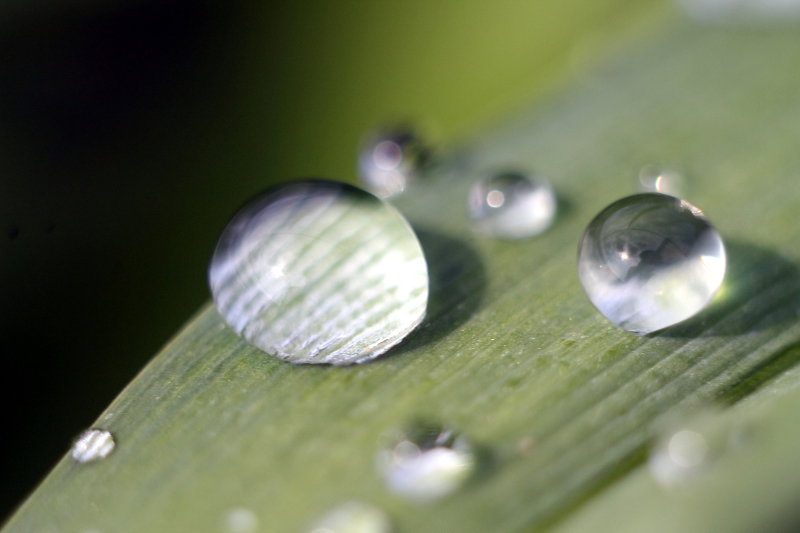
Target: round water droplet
320	272
663	180
689	449
354	517
512	206
649	261
426	463
92	445
389	161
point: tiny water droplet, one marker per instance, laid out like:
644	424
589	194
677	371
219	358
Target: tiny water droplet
353	517
426	463
389	160
649	261
663	180
511	205
92	445
316	271
240	520
687	450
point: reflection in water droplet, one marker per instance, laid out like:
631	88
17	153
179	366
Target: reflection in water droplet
741	10
512	206
649	261
320	272
92	445
426	463
353	517
240	520
663	180
389	160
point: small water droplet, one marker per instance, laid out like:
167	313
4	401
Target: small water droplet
390	159
93	445
240	520
426	463
511	205
353	517
687	450
663	180
320	272
649	261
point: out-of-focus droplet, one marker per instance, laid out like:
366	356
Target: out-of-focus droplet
92	445
426	463
689	449
741	11
663	180
389	160
240	520
649	261
511	205
353	517
317	271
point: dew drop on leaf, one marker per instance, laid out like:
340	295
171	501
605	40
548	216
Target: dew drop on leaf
649	261
426	463
511	205
317	271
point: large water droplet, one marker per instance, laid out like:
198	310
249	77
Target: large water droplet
353	517
389	160
649	261
320	272
510	205
426	463
93	445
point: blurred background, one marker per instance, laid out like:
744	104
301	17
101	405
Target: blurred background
130	132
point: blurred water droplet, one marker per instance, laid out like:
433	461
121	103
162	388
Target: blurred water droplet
689	449
353	517
663	180
426	463
511	205
92	445
649	261
240	520
320	272
389	160
718	11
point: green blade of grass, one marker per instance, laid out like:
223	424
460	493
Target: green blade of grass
560	404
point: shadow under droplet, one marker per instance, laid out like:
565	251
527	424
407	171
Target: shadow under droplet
457	286
761	290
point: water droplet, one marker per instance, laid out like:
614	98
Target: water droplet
426	463
511	205
663	180
320	272
240	520
389	160
92	445
687	450
353	517
649	261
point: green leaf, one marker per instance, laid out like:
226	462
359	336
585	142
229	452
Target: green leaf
561	405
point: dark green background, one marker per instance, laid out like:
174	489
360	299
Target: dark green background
130	131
